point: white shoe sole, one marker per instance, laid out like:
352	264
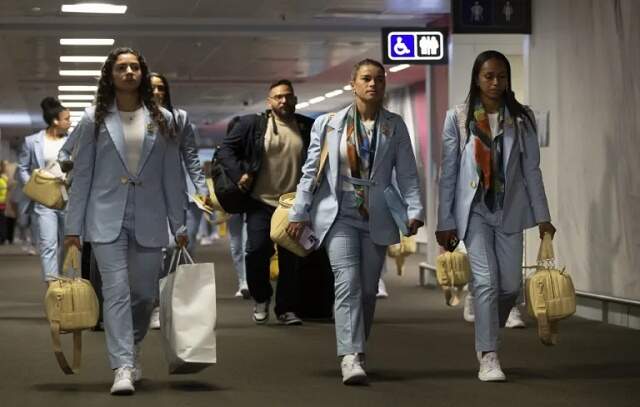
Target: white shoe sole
261	321
122	389
356	379
488	378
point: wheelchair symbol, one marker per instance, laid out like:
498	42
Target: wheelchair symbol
400	48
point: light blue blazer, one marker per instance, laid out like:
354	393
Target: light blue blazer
31	156
189	154
525	202
101	183
393	151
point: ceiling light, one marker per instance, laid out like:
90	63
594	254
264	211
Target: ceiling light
82	59
79	72
316	100
399	68
97	8
86	41
302	105
77	88
75	97
334	93
347	88
77	104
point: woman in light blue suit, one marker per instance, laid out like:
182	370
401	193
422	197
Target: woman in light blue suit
348	211
40	150
491	189
127	183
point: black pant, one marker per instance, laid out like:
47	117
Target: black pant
3	226
259	250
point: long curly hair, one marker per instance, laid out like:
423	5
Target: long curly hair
106	93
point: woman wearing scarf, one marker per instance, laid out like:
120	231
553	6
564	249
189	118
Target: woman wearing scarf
491	189
346	208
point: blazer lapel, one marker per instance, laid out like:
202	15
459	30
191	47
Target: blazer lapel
114	127
385	132
38	148
335	128
149	140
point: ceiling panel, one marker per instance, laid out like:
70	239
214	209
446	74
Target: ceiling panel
219	56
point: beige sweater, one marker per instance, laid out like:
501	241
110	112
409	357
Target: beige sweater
281	163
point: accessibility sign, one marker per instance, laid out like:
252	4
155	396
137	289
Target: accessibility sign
414	46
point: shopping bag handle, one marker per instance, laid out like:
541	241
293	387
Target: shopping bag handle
180	252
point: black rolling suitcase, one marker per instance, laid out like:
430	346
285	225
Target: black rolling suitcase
89	271
316	281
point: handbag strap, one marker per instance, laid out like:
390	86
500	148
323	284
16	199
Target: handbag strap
547	331
71	261
57	349
324	153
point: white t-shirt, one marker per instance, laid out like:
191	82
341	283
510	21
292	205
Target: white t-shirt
133	129
50	154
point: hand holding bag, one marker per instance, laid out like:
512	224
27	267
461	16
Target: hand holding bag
71	306
188	314
46	189
550	293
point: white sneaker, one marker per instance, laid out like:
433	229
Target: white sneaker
137	362
154	323
467	311
123	381
515	319
490	370
261	312
382	290
352	371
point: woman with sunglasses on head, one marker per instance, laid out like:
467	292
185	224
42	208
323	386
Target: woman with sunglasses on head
39	151
491	189
127	183
347	209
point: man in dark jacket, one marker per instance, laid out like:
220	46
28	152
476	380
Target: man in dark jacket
263	154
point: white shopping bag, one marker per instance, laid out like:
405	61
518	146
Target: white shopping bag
188	314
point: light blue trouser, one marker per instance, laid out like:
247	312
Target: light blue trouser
49	229
129	282
356	263
496	274
237	244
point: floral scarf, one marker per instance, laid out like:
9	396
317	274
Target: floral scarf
488	155
360	153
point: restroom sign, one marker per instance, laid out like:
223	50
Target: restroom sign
413	46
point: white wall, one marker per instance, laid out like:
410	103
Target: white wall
584	59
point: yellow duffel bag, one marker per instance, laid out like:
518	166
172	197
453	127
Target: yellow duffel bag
550	293
71	306
279	223
452	272
46	189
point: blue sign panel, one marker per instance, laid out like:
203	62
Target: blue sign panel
413	46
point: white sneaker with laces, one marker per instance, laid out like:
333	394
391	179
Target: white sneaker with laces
123	381
490	370
154	323
261	312
382	290
137	362
467	311
515	319
352	371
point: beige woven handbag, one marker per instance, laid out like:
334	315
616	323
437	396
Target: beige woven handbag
47	189
550	293
71	305
452	272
